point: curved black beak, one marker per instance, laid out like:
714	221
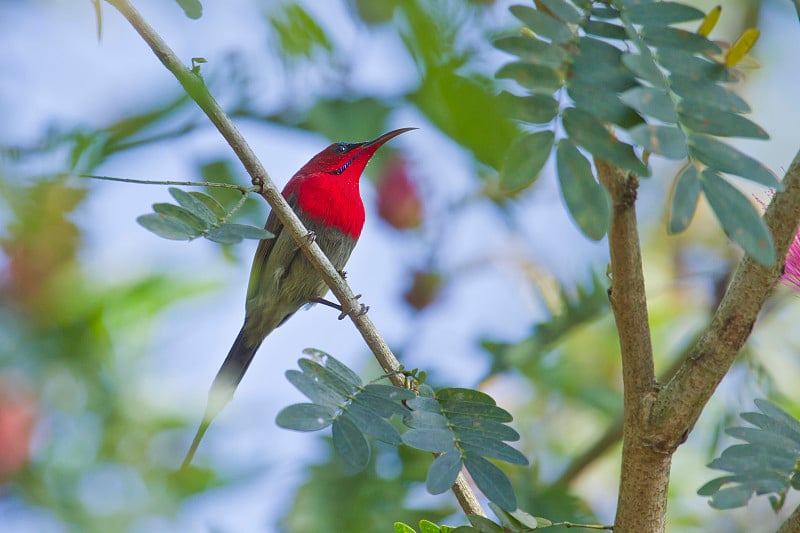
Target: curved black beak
385	137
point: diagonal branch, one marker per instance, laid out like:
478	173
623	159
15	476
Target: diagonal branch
792	524
680	403
195	87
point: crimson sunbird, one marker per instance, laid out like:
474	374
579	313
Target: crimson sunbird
325	195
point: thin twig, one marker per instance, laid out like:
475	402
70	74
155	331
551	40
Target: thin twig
570	525
195	87
240	188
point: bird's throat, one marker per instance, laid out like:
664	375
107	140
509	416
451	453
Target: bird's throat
331	201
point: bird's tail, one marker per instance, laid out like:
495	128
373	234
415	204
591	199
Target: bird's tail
228	377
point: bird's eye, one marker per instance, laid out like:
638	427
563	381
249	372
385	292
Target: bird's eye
340	148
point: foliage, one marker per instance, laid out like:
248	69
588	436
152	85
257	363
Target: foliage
198	215
585	69
462	427
629	73
766	464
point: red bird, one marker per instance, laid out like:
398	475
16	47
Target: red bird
325	195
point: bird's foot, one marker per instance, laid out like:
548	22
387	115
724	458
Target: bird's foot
343	274
356	311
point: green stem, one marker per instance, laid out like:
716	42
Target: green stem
240	188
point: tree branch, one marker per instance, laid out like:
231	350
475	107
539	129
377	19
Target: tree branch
679	404
792	524
195	87
642	500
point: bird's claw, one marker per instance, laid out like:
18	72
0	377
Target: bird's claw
361	310
311	236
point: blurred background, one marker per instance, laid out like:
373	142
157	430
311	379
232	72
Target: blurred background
110	336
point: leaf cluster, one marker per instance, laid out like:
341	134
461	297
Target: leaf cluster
636	85
462	427
766	464
197	215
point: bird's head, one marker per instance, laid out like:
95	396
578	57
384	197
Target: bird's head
326	189
347	160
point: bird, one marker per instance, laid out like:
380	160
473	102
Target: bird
325	195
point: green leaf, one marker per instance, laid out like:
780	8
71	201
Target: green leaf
390	392
298	32
591	134
731	497
465	109
764	439
563	11
474	444
327	377
490	428
458	394
443	472
660	36
681	63
644	67
542	24
484	525
685	195
724	158
779	415
587	200
602	103
305	417
340	369
714	485
738	217
428	527
167	227
422	403
707	93
426	420
668	141
533	77
492	481
479	410
605	12
652	102
429	440
371	423
211	203
399	527
517	520
184	215
194	205
525	160
707	119
599	63
532	50
384	407
315	390
768	423
536	109
350	442
605	29
234	233
192	8
662	13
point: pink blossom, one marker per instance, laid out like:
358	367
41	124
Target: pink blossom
791	272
